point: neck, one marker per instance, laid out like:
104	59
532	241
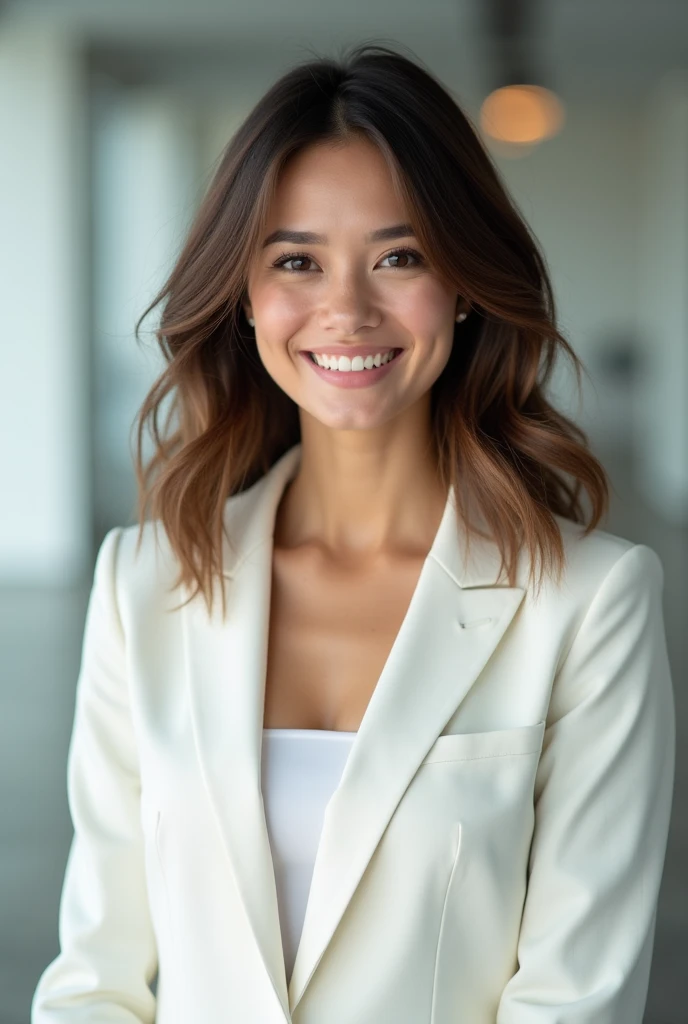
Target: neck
362	495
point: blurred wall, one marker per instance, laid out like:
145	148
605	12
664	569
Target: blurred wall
45	510
580	193
143	176
661	430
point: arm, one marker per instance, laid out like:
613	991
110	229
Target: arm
603	797
108	953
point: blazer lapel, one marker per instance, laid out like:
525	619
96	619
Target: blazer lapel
432	665
226	663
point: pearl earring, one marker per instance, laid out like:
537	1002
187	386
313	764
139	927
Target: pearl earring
251	321
461	317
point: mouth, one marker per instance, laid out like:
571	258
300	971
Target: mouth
353	372
357	364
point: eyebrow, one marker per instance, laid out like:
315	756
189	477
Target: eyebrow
310	238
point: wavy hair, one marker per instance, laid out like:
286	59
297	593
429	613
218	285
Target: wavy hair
506	450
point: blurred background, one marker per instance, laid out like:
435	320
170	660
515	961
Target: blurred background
112	116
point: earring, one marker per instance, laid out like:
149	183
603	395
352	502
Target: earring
251	321
461	317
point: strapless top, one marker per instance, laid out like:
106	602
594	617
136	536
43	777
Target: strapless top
301	769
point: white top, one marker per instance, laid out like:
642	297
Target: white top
301	768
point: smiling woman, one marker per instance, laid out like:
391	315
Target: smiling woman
340	160
390	782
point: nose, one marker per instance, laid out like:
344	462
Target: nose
348	305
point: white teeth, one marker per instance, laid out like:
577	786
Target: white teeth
358	363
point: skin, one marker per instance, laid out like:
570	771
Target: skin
367	490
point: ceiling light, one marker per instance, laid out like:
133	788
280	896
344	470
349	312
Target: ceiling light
521	114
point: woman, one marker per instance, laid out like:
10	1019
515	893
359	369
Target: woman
337	644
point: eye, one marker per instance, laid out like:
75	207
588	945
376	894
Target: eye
288	257
300	257
405	253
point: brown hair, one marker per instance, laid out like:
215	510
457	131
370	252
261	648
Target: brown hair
498	440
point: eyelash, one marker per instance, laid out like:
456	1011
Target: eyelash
402	251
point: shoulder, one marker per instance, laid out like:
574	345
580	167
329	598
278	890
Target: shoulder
600	550
142	565
603	558
152	553
143	559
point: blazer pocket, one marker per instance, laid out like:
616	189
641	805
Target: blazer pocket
151	816
158	889
468	746
150	819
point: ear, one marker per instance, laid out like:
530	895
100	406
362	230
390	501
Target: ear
462	306
246	305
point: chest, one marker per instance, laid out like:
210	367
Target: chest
331	630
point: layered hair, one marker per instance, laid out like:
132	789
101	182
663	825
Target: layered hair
508	453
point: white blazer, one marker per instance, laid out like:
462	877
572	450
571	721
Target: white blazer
492	855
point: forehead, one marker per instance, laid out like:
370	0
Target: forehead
326	181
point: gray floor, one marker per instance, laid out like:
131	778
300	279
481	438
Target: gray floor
40	646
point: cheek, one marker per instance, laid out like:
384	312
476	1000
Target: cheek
282	311
423	308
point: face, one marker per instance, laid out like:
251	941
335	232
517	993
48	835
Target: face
358	286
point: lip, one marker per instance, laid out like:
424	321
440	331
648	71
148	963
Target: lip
353	378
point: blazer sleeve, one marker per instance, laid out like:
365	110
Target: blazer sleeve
603	796
107	948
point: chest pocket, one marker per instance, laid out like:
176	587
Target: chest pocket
485	781
470	746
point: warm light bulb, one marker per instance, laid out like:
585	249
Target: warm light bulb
521	114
